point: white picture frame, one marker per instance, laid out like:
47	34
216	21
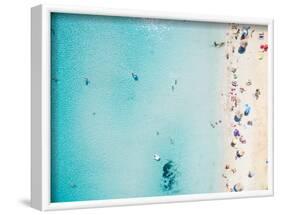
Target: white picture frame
40	141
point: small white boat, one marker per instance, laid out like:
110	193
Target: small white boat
156	157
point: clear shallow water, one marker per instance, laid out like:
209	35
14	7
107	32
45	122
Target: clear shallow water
106	126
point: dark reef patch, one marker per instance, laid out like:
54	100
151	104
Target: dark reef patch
169	176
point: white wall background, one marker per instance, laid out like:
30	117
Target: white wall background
15	104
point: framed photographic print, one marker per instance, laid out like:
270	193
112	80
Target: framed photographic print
133	107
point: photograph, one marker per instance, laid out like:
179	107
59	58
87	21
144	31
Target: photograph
151	107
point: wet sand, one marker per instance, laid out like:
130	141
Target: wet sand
244	73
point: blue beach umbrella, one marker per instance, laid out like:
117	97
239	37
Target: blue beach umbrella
236	133
237	118
241	50
247	110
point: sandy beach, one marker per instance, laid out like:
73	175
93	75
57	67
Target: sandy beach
244	102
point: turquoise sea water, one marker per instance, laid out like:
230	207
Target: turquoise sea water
106	126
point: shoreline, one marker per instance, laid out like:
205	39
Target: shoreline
243	74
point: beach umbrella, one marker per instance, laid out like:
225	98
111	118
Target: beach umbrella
234	142
241	50
236	132
242	47
242	140
238	187
237	118
247	110
264	47
240	153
